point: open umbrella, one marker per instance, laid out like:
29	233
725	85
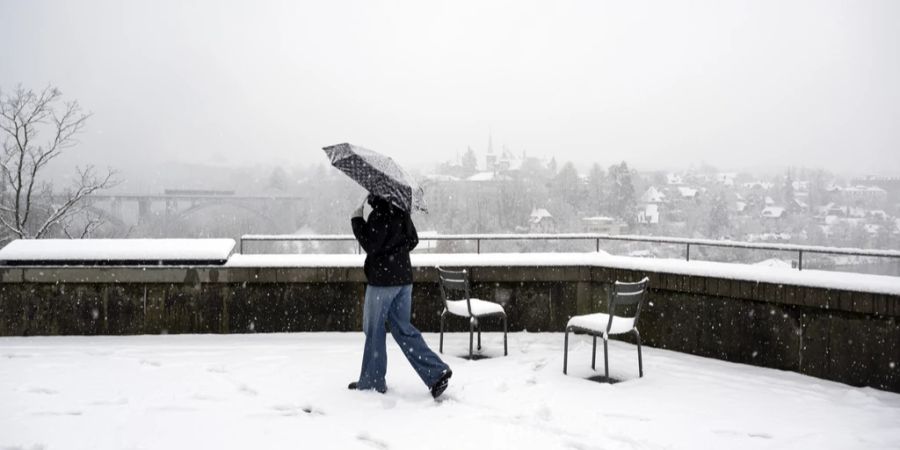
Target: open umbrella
379	174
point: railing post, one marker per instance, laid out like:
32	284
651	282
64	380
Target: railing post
478	246
358	248
687	253
241	246
598	245
800	260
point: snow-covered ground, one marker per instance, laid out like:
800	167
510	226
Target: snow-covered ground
289	391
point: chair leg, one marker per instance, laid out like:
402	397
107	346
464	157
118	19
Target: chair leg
594	355
640	363
505	351
471	332
479	337
441	346
566	352
606	357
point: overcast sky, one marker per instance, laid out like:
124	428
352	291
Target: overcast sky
667	83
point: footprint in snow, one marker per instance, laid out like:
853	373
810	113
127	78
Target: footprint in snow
42	390
760	435
375	443
544	413
580	446
58	413
627	417
744	433
205	397
244	389
115	402
147	362
294	410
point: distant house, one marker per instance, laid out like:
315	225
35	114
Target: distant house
833	209
764	185
772	212
798	206
648	214
509	161
801	186
861	195
653	195
858	213
878	214
767	237
440	177
687	193
674	180
541	221
603	224
726	178
872	228
488	176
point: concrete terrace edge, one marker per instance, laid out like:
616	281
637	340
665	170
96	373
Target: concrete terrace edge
775	291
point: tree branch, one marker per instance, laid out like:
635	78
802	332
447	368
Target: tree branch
23	114
87	185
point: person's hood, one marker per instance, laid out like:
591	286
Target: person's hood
378	203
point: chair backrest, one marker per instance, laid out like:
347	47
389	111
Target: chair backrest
453	283
627	294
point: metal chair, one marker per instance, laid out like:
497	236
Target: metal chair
604	325
453	283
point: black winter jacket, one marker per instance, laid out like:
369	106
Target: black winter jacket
387	237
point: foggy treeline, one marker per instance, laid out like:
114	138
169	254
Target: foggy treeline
543	195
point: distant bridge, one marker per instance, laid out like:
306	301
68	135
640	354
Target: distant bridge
174	204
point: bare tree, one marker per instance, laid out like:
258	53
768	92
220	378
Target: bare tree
30	207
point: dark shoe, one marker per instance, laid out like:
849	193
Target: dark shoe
355	385
440	385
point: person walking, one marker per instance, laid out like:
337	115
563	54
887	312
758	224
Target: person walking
387	238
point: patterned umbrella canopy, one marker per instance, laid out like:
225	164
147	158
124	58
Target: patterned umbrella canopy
379	174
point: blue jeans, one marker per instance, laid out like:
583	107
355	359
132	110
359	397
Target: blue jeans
392	304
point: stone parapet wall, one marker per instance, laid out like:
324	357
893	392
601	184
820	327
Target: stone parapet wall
843	335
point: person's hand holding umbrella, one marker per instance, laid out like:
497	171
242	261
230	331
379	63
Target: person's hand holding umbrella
358	212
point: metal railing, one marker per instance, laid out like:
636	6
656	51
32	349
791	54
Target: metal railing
687	242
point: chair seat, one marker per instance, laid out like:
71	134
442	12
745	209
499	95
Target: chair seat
479	307
599	321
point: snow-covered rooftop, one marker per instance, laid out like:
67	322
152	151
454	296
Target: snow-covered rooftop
539	214
274	391
653	195
488	176
687	192
772	212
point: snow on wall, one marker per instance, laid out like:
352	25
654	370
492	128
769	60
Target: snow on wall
117	250
778	275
